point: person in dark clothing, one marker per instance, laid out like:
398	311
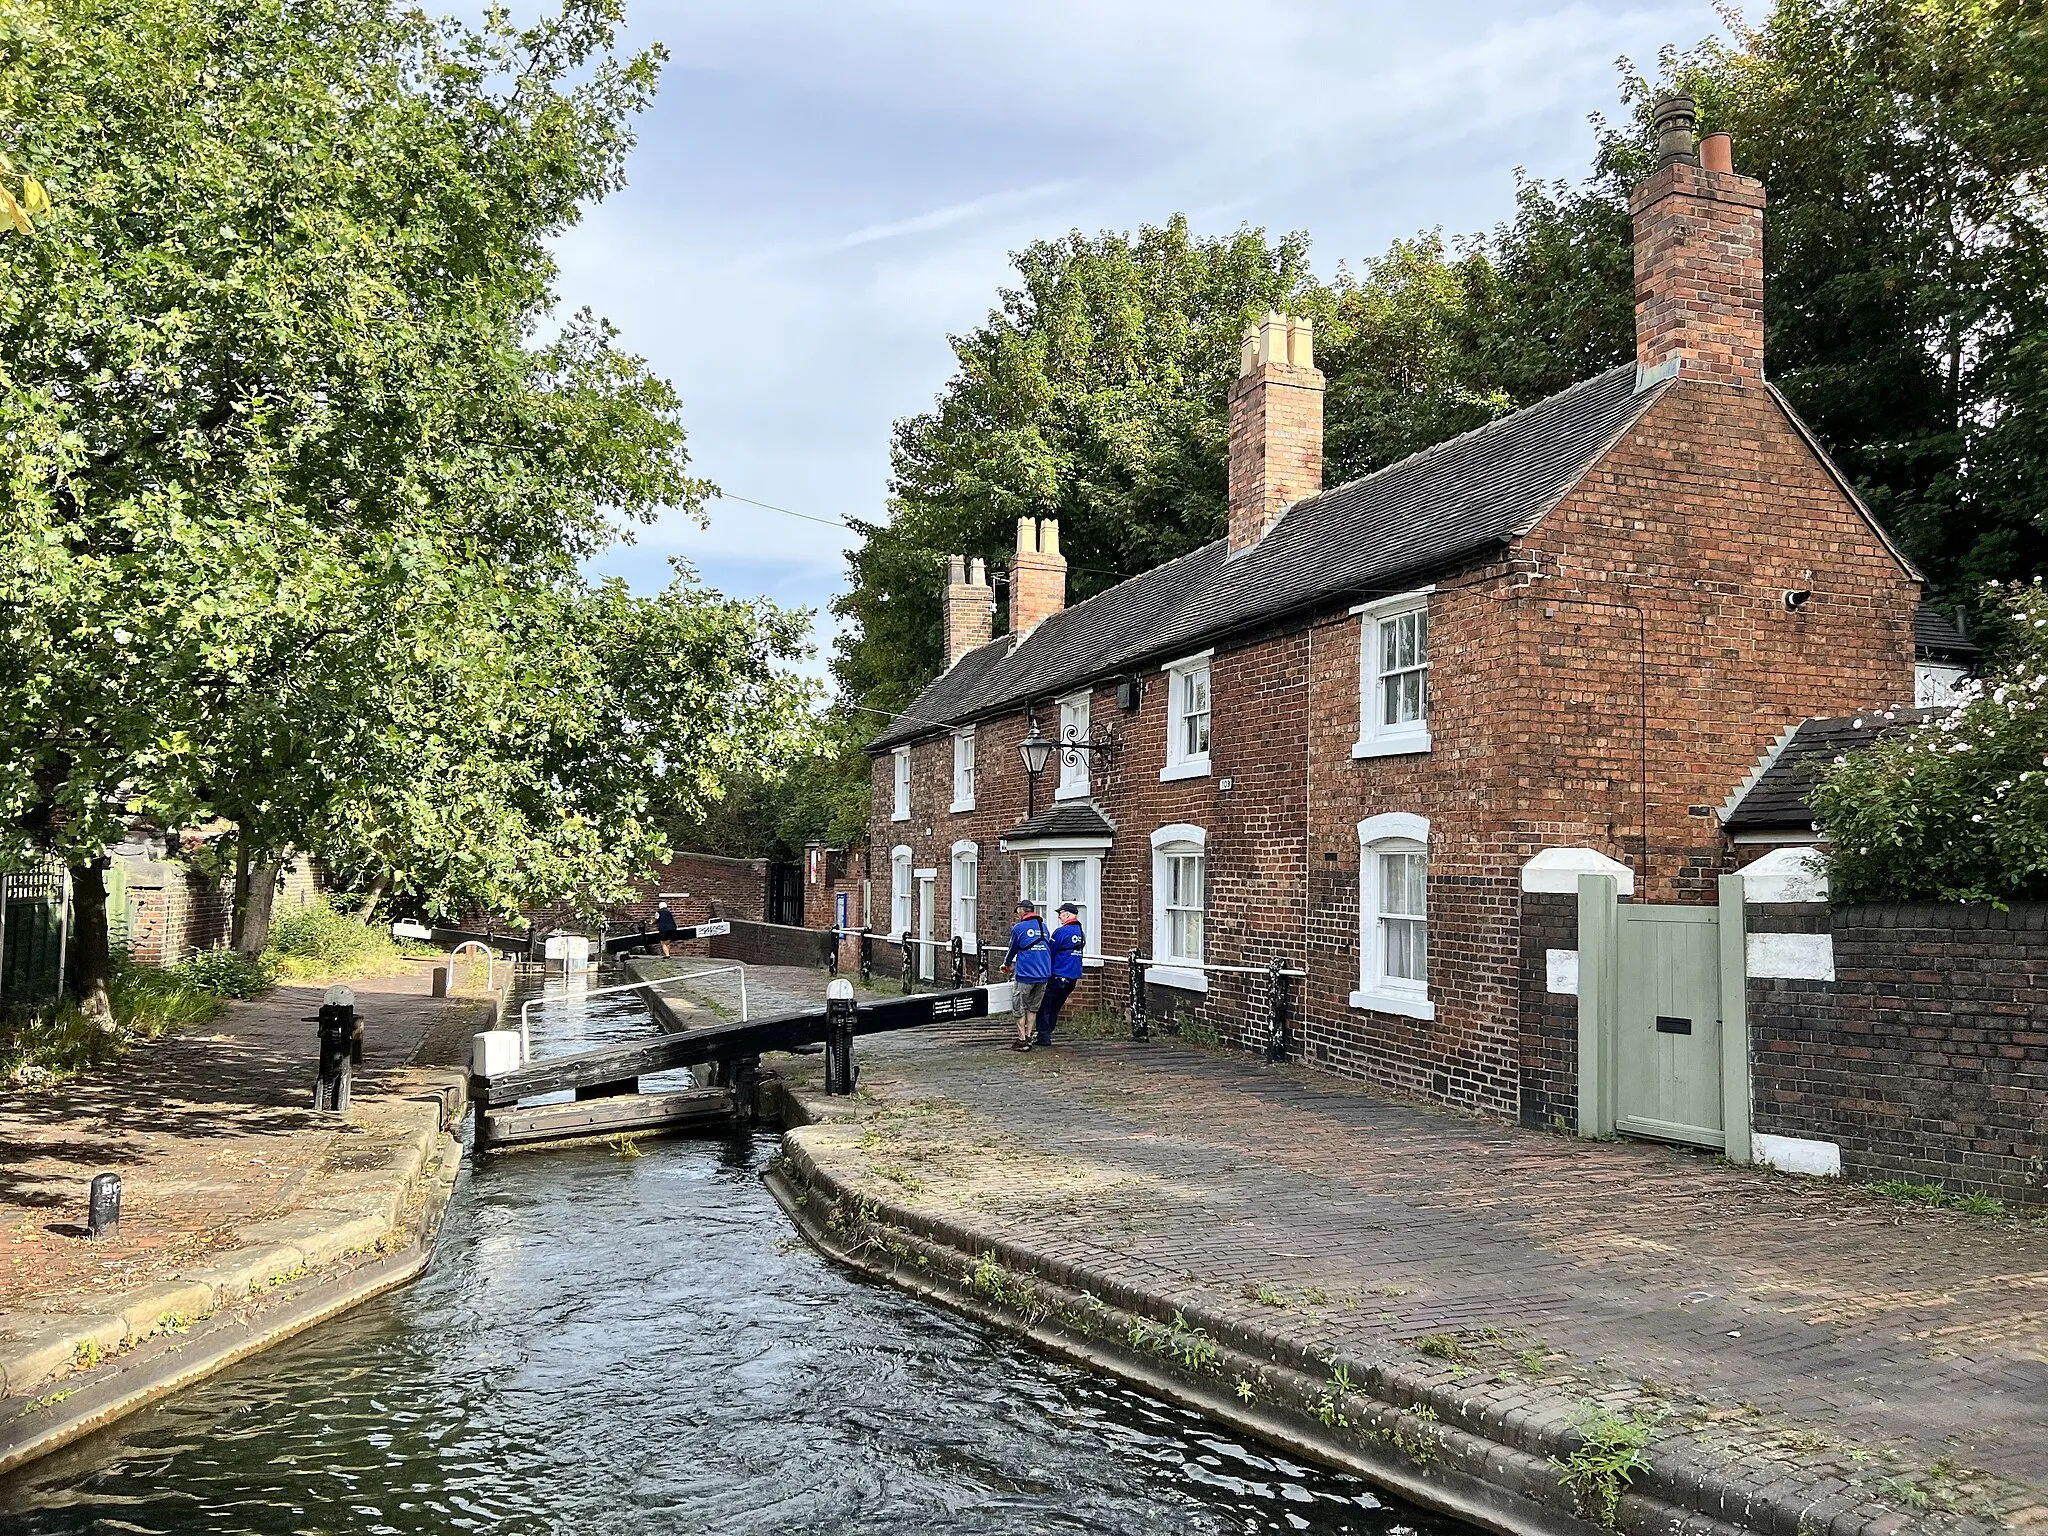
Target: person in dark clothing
1068	944
1030	952
665	925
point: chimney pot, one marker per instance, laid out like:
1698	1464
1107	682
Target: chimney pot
1717	153
1674	119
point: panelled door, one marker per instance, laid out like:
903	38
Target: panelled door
1663	1031
1667	1058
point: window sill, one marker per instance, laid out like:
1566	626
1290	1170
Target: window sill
1406	1004
899	816
959	808
1076	792
1193	768
1392	746
1180	976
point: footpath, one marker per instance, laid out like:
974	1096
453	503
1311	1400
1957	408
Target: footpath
1528	1331
245	1216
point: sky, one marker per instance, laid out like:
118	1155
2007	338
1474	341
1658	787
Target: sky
825	190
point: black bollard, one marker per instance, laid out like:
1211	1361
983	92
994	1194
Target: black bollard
959	962
1141	1027
103	1205
840	1072
867	956
909	960
341	1048
832	954
980	962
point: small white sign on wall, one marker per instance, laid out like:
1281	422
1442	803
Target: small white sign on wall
1561	971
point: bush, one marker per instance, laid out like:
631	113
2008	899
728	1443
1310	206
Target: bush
225	973
321	940
1954	808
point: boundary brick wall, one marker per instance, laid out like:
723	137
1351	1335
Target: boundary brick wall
1550	1020
1926	1058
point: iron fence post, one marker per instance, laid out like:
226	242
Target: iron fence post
980	962
867	955
959	962
1276	1013
909	960
1141	1027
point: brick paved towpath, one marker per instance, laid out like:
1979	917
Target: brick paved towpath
1815	1357
229	1179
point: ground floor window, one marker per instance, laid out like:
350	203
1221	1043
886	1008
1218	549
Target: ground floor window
1393	916
899	891
1180	907
1047	880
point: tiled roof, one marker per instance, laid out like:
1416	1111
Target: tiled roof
1775	799
1935	638
1391	528
1072	820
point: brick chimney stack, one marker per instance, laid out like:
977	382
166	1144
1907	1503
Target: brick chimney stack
1038	575
970	607
1699	242
1276	426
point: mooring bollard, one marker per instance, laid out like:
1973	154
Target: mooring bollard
103	1205
840	1072
1276	1013
909	960
341	1048
959	962
1141	1027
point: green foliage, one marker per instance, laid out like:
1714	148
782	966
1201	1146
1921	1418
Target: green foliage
227	973
1610	1454
1935	1194
319	939
46	1045
1954	808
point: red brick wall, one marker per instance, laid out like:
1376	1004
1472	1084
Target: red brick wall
1699	255
1276	445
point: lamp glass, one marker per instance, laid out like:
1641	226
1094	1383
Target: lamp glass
1037	751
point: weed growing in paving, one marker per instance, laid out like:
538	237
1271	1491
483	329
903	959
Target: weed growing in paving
1935	1195
1246	1392
88	1354
1609	1456
1329	1407
1422	1446
39	1404
1192	1347
1264	1295
1441	1346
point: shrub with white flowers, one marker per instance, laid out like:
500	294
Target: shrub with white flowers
1954	808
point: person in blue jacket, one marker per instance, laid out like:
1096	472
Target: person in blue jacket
1030	954
1068	944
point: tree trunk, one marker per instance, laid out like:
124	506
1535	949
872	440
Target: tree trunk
257	904
378	887
89	965
240	904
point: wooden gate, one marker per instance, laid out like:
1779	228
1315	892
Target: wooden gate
1663	1032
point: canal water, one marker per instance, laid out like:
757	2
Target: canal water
639	1344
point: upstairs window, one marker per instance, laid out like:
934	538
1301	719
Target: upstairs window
1393	916
963	771
902	812
1073	765
1187	718
1393	704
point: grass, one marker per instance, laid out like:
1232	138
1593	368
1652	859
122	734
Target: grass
1934	1194
44	1046
322	940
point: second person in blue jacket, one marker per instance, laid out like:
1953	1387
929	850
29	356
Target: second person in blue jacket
1069	943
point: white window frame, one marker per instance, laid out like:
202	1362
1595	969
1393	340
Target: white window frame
1394	832
902	890
1090	854
966	855
1180	763
963	770
902	778
1178	839
1375	737
1073	782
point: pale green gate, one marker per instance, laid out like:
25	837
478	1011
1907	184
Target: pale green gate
1663	1032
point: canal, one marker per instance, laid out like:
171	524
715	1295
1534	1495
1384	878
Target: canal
607	1343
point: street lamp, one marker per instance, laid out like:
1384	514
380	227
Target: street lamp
1038	748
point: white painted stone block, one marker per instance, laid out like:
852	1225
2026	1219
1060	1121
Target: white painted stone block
1001	997
1557	871
1561	971
1796	1154
494	1051
411	930
1786	874
1792	956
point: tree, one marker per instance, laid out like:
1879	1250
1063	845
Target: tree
296	431
1954	808
1900	144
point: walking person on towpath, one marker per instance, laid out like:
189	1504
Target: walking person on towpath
1030	953
665	925
1069	942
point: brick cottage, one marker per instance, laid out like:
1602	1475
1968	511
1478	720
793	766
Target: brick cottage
1354	733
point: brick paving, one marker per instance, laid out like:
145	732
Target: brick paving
1821	1325
211	1132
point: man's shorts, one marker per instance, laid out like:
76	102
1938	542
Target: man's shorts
1025	996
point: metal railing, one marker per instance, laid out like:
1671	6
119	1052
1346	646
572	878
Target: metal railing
526	1008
